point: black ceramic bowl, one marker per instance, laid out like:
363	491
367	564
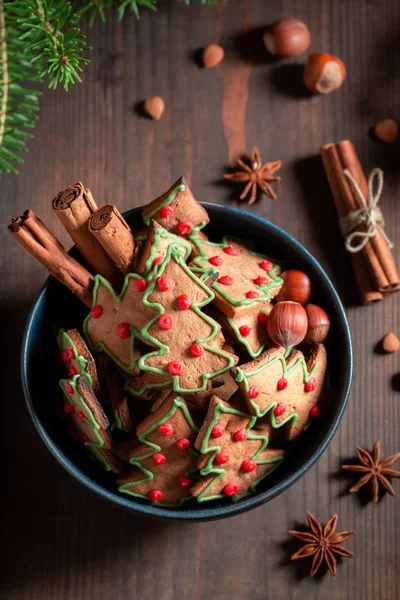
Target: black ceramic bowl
55	306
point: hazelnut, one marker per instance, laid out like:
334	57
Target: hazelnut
154	107
287	324
212	55
318	324
287	37
323	73
386	131
296	287
390	342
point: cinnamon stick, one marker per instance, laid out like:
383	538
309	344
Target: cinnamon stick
379	246
73	206
339	188
34	236
112	231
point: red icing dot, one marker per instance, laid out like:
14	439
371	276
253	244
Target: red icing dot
282	384
183	444
166	321
72	372
222	458
73	434
310	385
196	350
140	285
166	212
68	408
159	458
280	409
164	283
216	261
231	250
252	294
184	302
254	391
175	367
315	411
166	429
245	330
183	481
68	388
262	318
231	489
261	280
71	353
184	227
225	280
217	431
64	356
96	311
249	465
266	265
157	260
80	416
85	439
240	434
155	495
123	330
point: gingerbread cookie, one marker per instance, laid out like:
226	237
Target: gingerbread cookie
164	461
235	457
285	385
249	330
77	358
113	397
115	321
245	279
155	248
182	334
177	210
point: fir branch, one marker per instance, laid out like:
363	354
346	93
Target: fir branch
18	105
56	47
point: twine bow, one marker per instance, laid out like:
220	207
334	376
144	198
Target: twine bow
369	215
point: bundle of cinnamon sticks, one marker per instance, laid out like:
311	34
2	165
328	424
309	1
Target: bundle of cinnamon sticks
102	236
374	266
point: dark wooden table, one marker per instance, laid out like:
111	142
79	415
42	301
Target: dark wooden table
61	542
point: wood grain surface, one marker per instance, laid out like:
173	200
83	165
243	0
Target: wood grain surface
59	541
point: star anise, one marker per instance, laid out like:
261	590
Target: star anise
374	469
255	175
323	544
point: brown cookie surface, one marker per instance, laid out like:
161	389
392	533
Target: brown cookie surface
77	358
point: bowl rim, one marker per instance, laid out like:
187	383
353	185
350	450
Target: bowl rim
212	512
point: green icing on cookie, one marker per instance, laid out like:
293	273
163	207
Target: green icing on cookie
242	377
179	243
147	218
63	335
153	449
216	449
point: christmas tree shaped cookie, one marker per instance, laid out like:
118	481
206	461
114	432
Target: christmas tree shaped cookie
155	248
114	322
164	461
245	278
77	358
177	210
235	457
89	422
284	385
183	335
249	329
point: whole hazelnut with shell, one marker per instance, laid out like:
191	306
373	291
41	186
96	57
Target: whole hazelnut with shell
287	37
318	324
323	73
287	324
296	287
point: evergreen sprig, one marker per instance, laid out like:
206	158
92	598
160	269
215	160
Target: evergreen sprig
40	39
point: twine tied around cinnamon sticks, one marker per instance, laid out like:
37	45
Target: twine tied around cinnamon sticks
369	215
